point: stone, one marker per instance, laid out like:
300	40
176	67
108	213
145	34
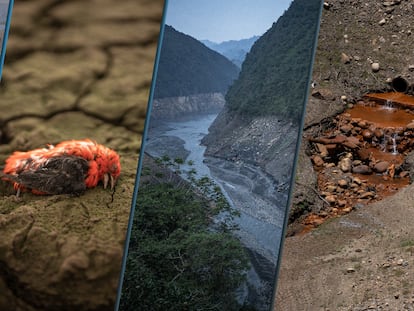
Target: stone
345	165
352	142
379	133
381	166
356	120
346	128
330	199
362	124
375	67
343	183
357	180
331	188
367	134
345	59
410	126
317	160
361	169
404	174
341	203
367	195
326	5
382	22
323	151
323	94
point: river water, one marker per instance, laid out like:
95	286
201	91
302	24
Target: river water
248	189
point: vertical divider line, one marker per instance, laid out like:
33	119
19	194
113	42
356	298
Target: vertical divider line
297	150
141	156
5	36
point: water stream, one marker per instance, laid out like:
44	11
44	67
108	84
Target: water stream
363	154
247	188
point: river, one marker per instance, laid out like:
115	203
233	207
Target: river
248	188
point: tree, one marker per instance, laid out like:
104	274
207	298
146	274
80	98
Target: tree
176	260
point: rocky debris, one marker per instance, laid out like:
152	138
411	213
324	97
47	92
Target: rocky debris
323	94
358	161
264	141
176	107
313	269
345	58
73	70
375	67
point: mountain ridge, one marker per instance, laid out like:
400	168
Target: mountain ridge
234	50
188	67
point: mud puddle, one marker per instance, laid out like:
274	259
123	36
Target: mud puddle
360	156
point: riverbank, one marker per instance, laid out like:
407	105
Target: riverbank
250	191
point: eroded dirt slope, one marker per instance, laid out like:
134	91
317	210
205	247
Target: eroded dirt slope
363	260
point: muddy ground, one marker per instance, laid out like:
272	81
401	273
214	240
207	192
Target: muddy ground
363	260
73	70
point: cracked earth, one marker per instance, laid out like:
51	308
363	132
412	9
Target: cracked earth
73	70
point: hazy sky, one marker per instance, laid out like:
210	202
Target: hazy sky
3	11
222	20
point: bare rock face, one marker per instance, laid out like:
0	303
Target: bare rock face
73	70
175	107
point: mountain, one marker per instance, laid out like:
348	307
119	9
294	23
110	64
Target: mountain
234	50
260	121
188	67
274	76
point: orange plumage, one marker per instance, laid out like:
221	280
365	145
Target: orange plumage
40	165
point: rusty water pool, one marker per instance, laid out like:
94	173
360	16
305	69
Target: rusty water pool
360	158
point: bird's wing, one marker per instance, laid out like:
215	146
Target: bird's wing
58	175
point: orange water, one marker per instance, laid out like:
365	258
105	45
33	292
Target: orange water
381	116
399	99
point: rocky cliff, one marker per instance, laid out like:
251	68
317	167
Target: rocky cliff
260	121
183	106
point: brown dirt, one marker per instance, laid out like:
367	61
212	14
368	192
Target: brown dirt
363	260
73	70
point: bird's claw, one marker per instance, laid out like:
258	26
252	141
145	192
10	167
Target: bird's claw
109	179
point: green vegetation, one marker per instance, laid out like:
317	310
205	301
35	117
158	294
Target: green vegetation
188	67
407	243
274	76
178	259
